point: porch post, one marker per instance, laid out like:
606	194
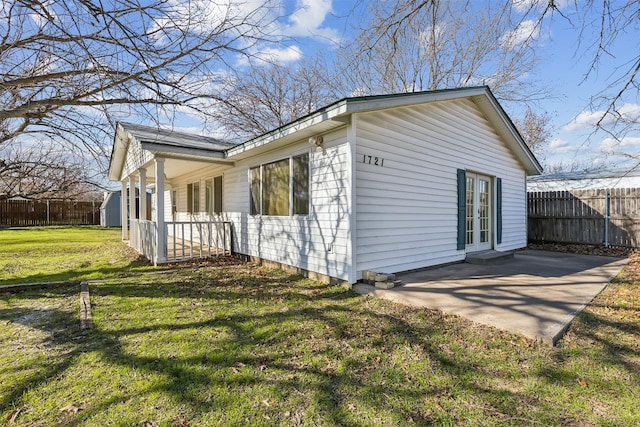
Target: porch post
123	210
143	194
161	248
132	198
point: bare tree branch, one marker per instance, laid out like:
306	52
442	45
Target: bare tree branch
63	65
414	45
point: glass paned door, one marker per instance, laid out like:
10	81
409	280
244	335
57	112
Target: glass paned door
471	207
484	212
478	213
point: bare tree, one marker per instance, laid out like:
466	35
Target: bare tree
64	64
40	171
401	46
534	128
268	94
414	45
600	27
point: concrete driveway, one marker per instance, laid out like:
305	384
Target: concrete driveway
537	293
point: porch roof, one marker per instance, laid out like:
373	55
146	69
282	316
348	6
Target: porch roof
170	144
172	138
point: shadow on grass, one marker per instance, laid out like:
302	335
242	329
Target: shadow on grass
59	328
320	354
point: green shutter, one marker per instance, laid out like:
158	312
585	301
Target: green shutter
499	210
462	207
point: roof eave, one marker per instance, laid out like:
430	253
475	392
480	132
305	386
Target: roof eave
372	103
160	149
346	107
331	112
509	132
118	153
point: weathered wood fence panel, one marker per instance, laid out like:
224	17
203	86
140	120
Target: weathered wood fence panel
609	217
25	213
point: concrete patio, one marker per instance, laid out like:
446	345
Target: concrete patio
537	293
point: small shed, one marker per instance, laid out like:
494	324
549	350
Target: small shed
110	210
110	215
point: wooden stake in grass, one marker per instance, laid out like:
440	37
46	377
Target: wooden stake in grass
86	321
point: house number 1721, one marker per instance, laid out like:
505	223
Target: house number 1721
372	160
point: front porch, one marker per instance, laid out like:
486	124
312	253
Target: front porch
146	158
182	240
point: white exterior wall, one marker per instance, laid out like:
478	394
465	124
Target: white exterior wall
136	157
406	210
200	174
318	242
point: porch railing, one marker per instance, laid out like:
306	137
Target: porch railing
134	234
199	239
148	239
143	238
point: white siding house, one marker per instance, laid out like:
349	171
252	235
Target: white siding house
384	183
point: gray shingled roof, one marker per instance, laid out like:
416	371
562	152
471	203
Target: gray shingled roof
173	138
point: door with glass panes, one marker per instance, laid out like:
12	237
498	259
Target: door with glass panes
478	213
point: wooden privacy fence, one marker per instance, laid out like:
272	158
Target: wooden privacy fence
21	213
609	217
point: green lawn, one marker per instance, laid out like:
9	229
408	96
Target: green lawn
46	254
236	344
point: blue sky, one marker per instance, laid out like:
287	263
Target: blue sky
565	54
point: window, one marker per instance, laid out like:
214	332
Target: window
193	197
281	188
213	195
275	188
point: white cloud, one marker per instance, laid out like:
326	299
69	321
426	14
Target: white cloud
561	146
586	119
527	5
611	145
432	36
242	17
589	119
525	31
287	54
630	112
264	55
307	19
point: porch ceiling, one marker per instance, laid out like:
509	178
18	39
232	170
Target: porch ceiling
174	167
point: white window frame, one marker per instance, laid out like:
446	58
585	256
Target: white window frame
291	185
194	206
210	201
